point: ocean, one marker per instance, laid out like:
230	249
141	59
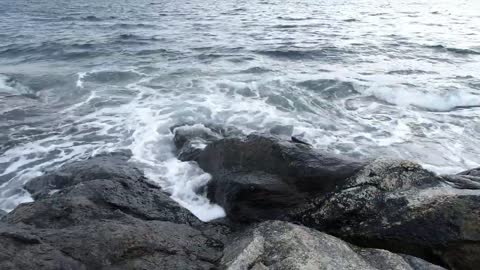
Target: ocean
361	78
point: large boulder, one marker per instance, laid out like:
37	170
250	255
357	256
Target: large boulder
260	176
110	245
21	248
102	213
297	164
281	245
104	166
106	218
399	206
390	204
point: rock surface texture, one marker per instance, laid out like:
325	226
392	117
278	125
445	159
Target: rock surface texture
105	217
102	213
281	245
390	204
259	177
399	206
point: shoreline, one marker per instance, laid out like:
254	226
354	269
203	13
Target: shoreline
283	200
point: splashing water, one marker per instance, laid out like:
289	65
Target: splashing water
76	81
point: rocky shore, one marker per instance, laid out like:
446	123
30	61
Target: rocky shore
288	206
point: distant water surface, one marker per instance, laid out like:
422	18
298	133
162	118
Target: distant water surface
363	78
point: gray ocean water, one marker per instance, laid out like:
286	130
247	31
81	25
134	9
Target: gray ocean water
364	78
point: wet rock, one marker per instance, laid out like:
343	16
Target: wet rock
399	206
254	177
102	213
298	140
282	130
460	181
253	196
296	164
471	172
113	220
281	245
469	179
389	204
110	245
105	166
190	140
22	250
101	199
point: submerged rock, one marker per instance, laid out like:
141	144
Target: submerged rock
399	206
281	245
106	218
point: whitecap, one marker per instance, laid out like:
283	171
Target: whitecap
11	86
81	76
427	100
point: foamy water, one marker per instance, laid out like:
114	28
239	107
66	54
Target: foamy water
360	78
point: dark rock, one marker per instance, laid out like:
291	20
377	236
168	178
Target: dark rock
297	140
282	130
253	196
465	180
399	206
255	177
110	245
102	213
462	181
394	205
101	199
105	166
190	140
296	164
471	172
19	250
281	245
115	221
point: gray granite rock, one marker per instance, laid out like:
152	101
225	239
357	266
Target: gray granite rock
399	206
280	245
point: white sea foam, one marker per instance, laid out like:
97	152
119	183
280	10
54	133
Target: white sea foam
184	179
427	100
143	126
81	76
390	93
10	86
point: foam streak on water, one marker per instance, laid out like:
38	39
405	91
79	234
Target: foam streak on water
362	78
